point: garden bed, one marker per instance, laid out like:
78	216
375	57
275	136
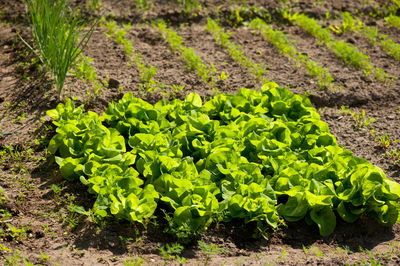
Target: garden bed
39	221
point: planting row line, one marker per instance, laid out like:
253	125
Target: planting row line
354	24
147	74
235	51
391	17
281	41
346	52
207	72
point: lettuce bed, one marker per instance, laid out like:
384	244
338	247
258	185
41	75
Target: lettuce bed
256	156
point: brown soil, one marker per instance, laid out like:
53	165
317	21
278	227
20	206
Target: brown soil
55	236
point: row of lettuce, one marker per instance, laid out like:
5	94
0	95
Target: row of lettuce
263	157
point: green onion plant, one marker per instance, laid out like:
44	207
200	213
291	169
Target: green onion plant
58	34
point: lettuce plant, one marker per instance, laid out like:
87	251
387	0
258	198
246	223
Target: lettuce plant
255	156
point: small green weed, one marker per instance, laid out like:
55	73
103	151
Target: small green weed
144	5
93	4
283	255
374	259
170	252
136	261
17	234
14	257
211	249
383	140
58	35
345	249
394	155
44	258
313	250
359	118
189	6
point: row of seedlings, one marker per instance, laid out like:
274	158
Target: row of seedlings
354	24
149	84
346	52
392	19
207	72
283	43
235	50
